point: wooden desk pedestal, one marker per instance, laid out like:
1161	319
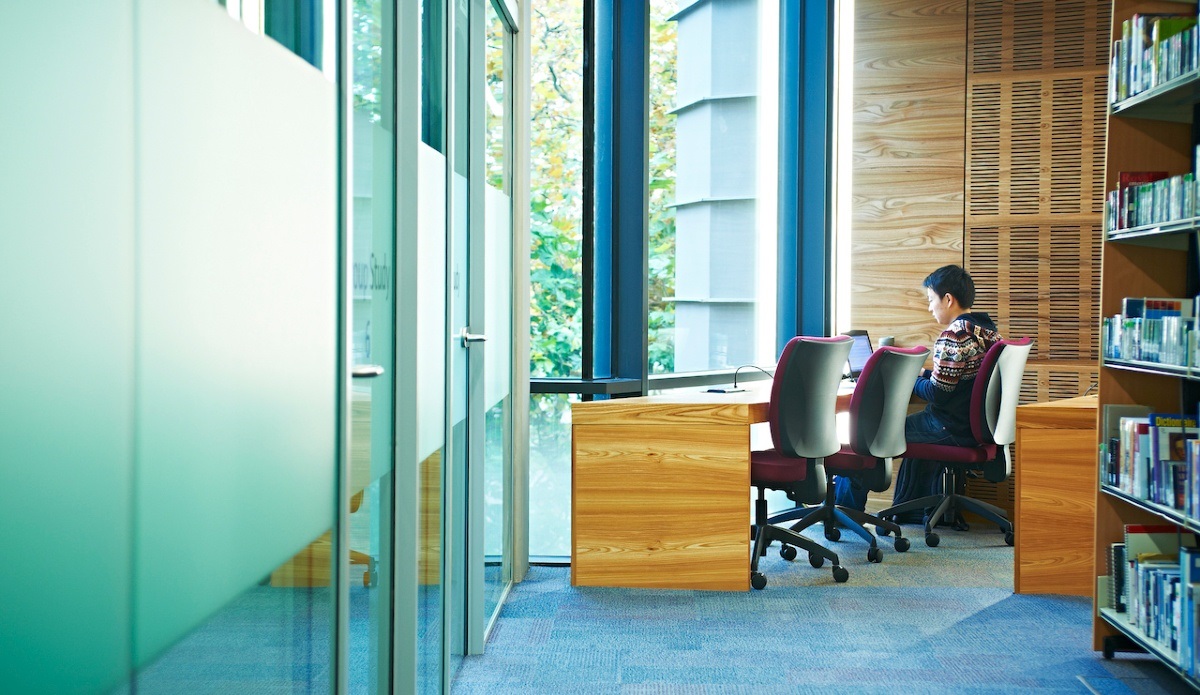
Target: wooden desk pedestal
661	491
1055	496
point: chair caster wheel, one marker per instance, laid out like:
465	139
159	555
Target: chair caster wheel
932	539
840	574
874	554
902	545
788	553
1010	538
832	534
758	581
816	560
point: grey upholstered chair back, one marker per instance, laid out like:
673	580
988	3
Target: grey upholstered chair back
804	396
1004	392
880	402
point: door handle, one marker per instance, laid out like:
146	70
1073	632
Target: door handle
366	371
468	337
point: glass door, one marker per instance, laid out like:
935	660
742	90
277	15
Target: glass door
372	221
494	501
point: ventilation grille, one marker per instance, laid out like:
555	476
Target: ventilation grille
1041	282
1009	36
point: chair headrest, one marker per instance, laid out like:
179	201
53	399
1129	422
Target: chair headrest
804	396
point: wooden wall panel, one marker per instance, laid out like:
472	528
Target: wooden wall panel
909	106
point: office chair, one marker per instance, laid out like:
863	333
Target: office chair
802	418
878	408
994	399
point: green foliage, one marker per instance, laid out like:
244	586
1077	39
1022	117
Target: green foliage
368	56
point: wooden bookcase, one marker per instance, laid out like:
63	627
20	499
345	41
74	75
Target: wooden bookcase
1151	131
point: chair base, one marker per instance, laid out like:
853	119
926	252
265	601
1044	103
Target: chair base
949	506
833	516
765	532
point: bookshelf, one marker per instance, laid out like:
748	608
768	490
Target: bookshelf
1150	130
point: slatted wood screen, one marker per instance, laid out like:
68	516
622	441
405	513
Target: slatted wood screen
1036	101
1036	90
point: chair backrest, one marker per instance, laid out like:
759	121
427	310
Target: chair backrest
880	401
804	396
997	390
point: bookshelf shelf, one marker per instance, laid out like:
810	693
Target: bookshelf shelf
1152	368
1169	235
1172	101
1167	513
1133	632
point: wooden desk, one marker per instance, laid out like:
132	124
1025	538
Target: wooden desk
1055	496
660	489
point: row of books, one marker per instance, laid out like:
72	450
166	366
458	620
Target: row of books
1153	49
1156	458
1158	330
1149	197
1154	579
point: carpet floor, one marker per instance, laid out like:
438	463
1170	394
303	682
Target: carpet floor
932	620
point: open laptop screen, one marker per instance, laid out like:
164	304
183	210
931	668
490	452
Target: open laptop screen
860	351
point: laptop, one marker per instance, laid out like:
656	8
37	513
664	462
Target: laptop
860	352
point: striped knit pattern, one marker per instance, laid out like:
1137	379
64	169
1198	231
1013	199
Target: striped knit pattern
959	351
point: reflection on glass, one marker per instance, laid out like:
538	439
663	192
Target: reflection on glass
550	474
275	637
712	226
372	221
556	189
499	309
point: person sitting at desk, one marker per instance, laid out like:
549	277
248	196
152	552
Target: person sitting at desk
946	419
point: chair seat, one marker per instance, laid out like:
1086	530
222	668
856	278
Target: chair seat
846	461
952	454
770	466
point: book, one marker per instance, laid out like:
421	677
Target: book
1116	570
1168	455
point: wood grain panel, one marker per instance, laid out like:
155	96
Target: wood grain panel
1056	470
663	506
907	199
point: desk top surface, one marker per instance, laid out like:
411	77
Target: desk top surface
1069	413
685	405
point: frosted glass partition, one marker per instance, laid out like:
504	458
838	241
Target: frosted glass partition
236	401
498	261
66	407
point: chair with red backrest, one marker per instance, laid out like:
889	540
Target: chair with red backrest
878	408
994	398
802	417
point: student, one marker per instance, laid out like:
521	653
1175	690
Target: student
946	419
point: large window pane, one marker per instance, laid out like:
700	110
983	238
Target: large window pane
550	475
556	189
713	92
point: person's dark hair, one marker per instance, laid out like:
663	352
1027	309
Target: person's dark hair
953	280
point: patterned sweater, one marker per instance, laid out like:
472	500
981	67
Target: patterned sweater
957	355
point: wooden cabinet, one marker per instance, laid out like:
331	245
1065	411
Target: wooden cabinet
1055	475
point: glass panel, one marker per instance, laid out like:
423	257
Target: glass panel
236	399
556	189
431	332
550	474
713	130
556	270
372	221
498	352
455	474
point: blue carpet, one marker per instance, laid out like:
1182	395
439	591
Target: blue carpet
933	620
